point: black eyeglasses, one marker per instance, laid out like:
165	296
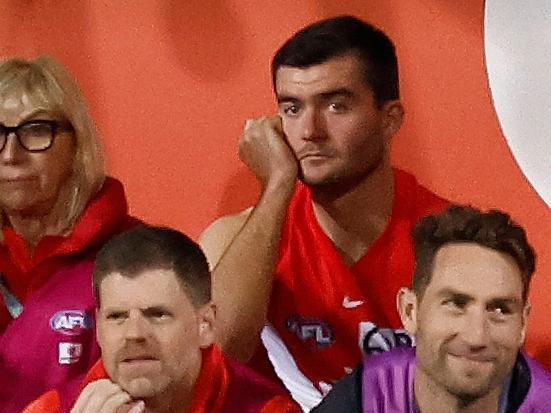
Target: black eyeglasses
33	135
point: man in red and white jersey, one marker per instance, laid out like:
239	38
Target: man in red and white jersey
321	256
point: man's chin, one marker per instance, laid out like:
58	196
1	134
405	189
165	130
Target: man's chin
332	180
321	181
470	389
141	387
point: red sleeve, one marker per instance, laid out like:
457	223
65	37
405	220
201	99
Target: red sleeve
47	403
281	404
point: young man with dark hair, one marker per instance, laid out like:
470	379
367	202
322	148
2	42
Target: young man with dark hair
467	310
155	324
323	253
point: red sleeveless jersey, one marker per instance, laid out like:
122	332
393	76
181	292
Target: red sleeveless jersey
322	309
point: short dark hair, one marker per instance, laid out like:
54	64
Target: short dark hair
147	247
339	36
462	224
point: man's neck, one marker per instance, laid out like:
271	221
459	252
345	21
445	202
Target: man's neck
354	219
174	400
430	397
179	396
168	405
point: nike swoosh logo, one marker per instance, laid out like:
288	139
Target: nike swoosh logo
349	303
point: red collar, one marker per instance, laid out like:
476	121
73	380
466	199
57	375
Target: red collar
211	387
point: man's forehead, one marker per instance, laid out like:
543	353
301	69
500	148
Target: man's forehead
337	72
149	286
475	270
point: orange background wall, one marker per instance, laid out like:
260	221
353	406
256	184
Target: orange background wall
171	83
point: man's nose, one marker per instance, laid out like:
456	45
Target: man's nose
475	331
312	125
137	327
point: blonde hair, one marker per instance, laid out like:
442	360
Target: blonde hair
49	86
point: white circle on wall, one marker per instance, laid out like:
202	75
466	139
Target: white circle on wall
517	39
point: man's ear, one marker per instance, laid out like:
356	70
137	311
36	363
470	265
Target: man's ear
99	337
407	304
394	117
525	314
206	316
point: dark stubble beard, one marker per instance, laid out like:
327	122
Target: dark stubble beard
337	185
466	399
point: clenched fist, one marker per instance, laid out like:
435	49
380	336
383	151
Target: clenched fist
265	151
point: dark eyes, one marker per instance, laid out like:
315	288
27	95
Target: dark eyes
500	310
337	107
151	314
116	316
294	109
290	110
458	305
455	303
157	314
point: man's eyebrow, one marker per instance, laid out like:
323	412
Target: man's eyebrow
504	301
325	95
114	310
450	292
287	99
341	92
153	310
495	302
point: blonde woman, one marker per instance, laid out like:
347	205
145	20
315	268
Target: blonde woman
57	209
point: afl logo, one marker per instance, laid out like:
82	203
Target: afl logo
71	322
311	328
